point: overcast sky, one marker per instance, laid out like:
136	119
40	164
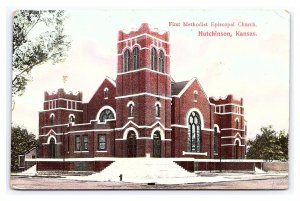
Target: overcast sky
255	68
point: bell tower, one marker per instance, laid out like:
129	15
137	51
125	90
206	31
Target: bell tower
143	96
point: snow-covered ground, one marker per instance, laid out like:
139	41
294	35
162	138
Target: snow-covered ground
29	172
206	178
159	171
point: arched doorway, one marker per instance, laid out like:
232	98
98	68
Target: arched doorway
156	145
52	148
237	146
131	144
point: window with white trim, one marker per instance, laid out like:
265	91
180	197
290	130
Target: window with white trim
126	60
101	142
71	118
106	114
51	104
130	110
52	118
194	133
85	143
106	93
161	61
195	95
157	110
136	58
153	58
69	104
77	143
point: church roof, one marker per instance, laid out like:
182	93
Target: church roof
177	87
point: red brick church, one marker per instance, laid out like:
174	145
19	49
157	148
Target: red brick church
142	113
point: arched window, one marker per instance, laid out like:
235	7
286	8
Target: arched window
216	140
194	132
157	110
106	114
126	60
153	58
71	118
195	95
161	61
237	123
130	110
106	93
52	116
136	58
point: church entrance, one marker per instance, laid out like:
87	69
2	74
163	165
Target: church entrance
156	145
237	150
131	144
52	148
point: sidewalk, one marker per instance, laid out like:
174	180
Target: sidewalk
205	178
201	177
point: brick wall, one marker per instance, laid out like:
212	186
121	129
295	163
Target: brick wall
72	166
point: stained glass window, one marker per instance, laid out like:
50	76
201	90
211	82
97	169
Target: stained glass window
106	114
194	132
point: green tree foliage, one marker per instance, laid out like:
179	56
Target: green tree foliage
37	38
269	145
21	142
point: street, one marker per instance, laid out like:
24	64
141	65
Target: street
41	183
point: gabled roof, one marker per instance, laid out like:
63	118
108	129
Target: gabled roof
177	87
113	82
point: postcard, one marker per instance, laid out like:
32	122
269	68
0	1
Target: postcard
150	99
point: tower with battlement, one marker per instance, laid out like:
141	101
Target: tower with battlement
60	109
229	118
143	96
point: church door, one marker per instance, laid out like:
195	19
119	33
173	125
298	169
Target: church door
237	144
131	144
52	148
156	145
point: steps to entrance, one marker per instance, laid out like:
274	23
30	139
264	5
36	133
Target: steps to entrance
133	169
259	171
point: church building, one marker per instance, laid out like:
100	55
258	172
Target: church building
143	112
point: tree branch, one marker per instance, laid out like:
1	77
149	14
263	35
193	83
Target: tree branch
33	25
25	35
26	69
31	66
